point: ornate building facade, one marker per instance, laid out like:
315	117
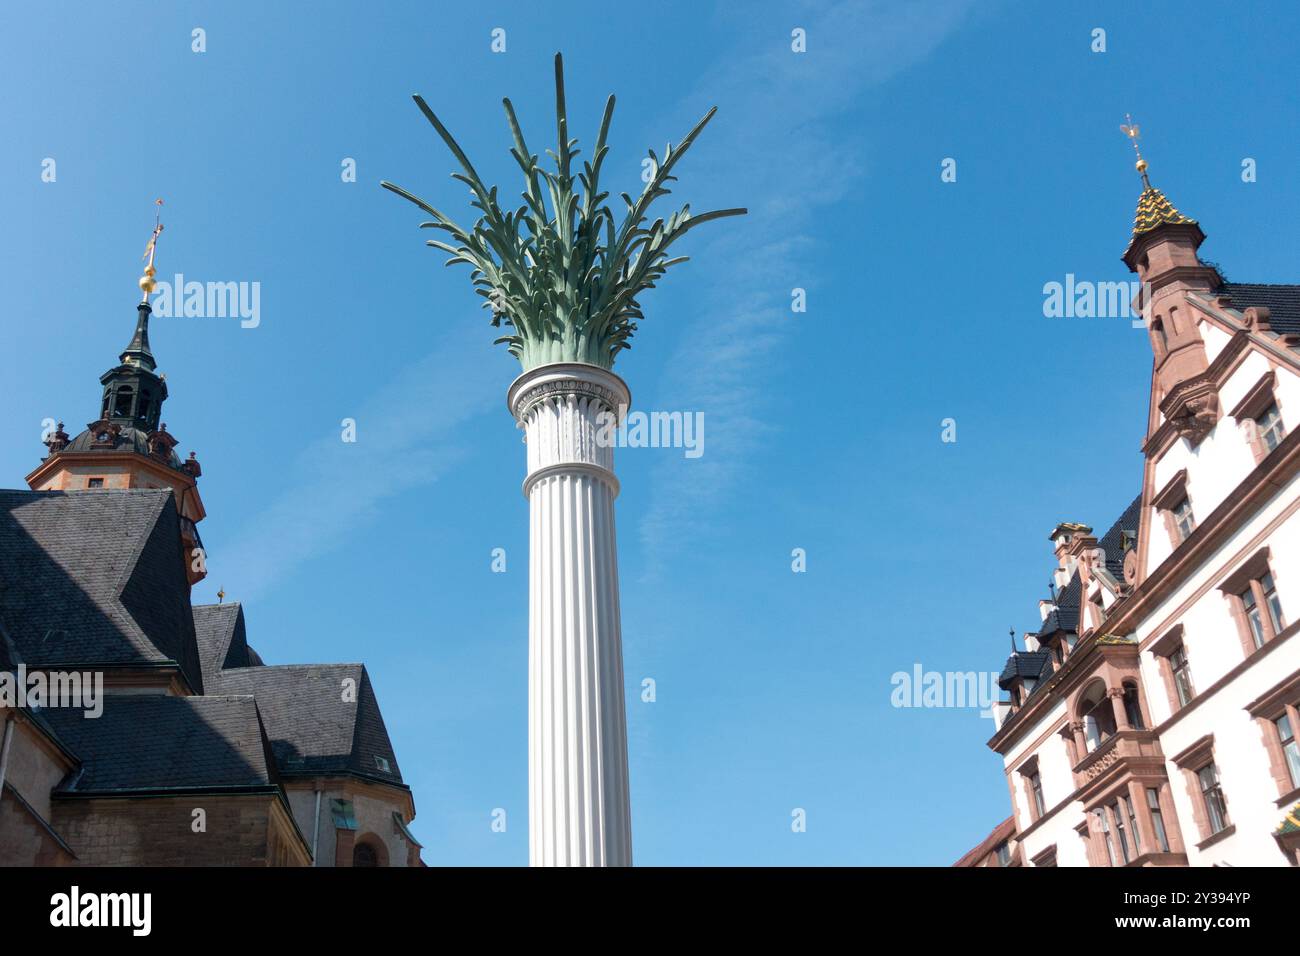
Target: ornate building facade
1152	718
199	754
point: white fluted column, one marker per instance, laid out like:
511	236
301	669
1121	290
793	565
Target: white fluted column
579	812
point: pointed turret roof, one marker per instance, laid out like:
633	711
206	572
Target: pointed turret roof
1154	209
138	353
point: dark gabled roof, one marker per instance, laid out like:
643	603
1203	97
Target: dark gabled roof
1065	616
316	721
1112	542
1282	301
223	643
1025	665
96	577
148	742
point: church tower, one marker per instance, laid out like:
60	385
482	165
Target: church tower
128	445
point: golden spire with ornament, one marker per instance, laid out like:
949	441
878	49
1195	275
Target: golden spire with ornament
147	283
1129	129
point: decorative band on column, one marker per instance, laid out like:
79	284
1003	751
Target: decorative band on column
566	378
573	468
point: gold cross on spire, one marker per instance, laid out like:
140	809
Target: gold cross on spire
1130	129
147	283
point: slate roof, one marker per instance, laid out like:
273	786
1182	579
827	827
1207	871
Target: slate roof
312	728
1065	617
190	743
223	643
1025	664
1112	542
96	577
128	439
1283	302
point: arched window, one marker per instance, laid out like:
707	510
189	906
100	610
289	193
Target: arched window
369	850
145	401
122	407
1097	714
1132	706
1158	334
363	854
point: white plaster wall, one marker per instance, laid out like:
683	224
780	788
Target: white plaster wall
1213	337
1213	649
1058	783
1217	466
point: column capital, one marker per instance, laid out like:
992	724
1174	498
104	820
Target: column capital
564	379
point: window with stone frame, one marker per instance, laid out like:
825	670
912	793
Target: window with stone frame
1209	802
1277	712
1174	503
1170	653
1260	417
1033	783
1157	819
1256	606
1212	794
1097	714
1133	706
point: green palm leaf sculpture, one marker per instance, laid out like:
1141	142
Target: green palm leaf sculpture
564	276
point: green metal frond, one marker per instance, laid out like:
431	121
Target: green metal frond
559	271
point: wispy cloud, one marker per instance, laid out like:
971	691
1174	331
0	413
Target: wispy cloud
408	434
777	153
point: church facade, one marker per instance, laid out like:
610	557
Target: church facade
1152	718
194	751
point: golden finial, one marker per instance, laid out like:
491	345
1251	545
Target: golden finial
1130	129
147	283
221	595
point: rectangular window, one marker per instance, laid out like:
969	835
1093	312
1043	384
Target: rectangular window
1121	833
1004	854
1132	824
1157	820
1036	788
1272	602
1268	426
1105	835
1182	675
1253	619
1183	519
1216	808
1290	748
95	483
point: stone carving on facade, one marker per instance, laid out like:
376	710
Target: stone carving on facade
1193	409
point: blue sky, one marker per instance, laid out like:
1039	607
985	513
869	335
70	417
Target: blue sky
822	429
